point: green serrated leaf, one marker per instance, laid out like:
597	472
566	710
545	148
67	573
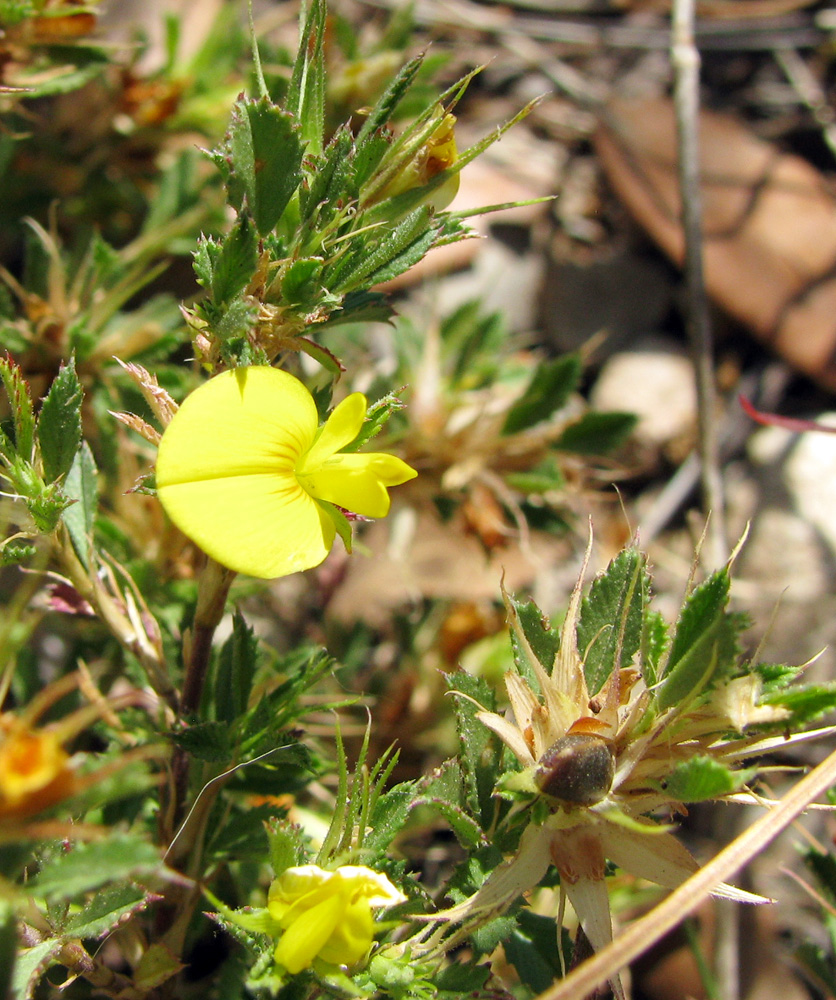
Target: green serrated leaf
459	980
444	792
236	323
388	818
59	423
377	417
475	742
266	152
610	622
704	646
381	113
81	485
805	703
16	553
301	279
701	777
47	506
537	633
204	258
596	433
305	98
235	261
30	964
237	664
108	908
394	253
20	403
549	389
209	741
88	866
286	845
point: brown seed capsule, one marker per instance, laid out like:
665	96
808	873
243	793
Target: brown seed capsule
577	769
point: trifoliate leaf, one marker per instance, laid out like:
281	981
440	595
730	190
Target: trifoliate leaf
59	423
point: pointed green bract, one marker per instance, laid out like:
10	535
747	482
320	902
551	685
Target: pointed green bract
23	416
542	639
81	485
306	91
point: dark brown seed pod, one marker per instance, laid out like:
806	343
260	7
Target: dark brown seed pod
579	769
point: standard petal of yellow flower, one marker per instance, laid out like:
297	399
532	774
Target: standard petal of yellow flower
327	915
243	463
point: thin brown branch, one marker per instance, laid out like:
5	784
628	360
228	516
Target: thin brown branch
686	64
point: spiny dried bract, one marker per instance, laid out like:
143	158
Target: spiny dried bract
577	769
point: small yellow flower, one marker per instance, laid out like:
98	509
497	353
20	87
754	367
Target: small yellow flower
327	914
34	770
245	471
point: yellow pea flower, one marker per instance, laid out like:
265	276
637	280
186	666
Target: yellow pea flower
34	770
245	471
327	915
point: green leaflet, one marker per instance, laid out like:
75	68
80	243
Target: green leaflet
266	152
610	623
59	423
